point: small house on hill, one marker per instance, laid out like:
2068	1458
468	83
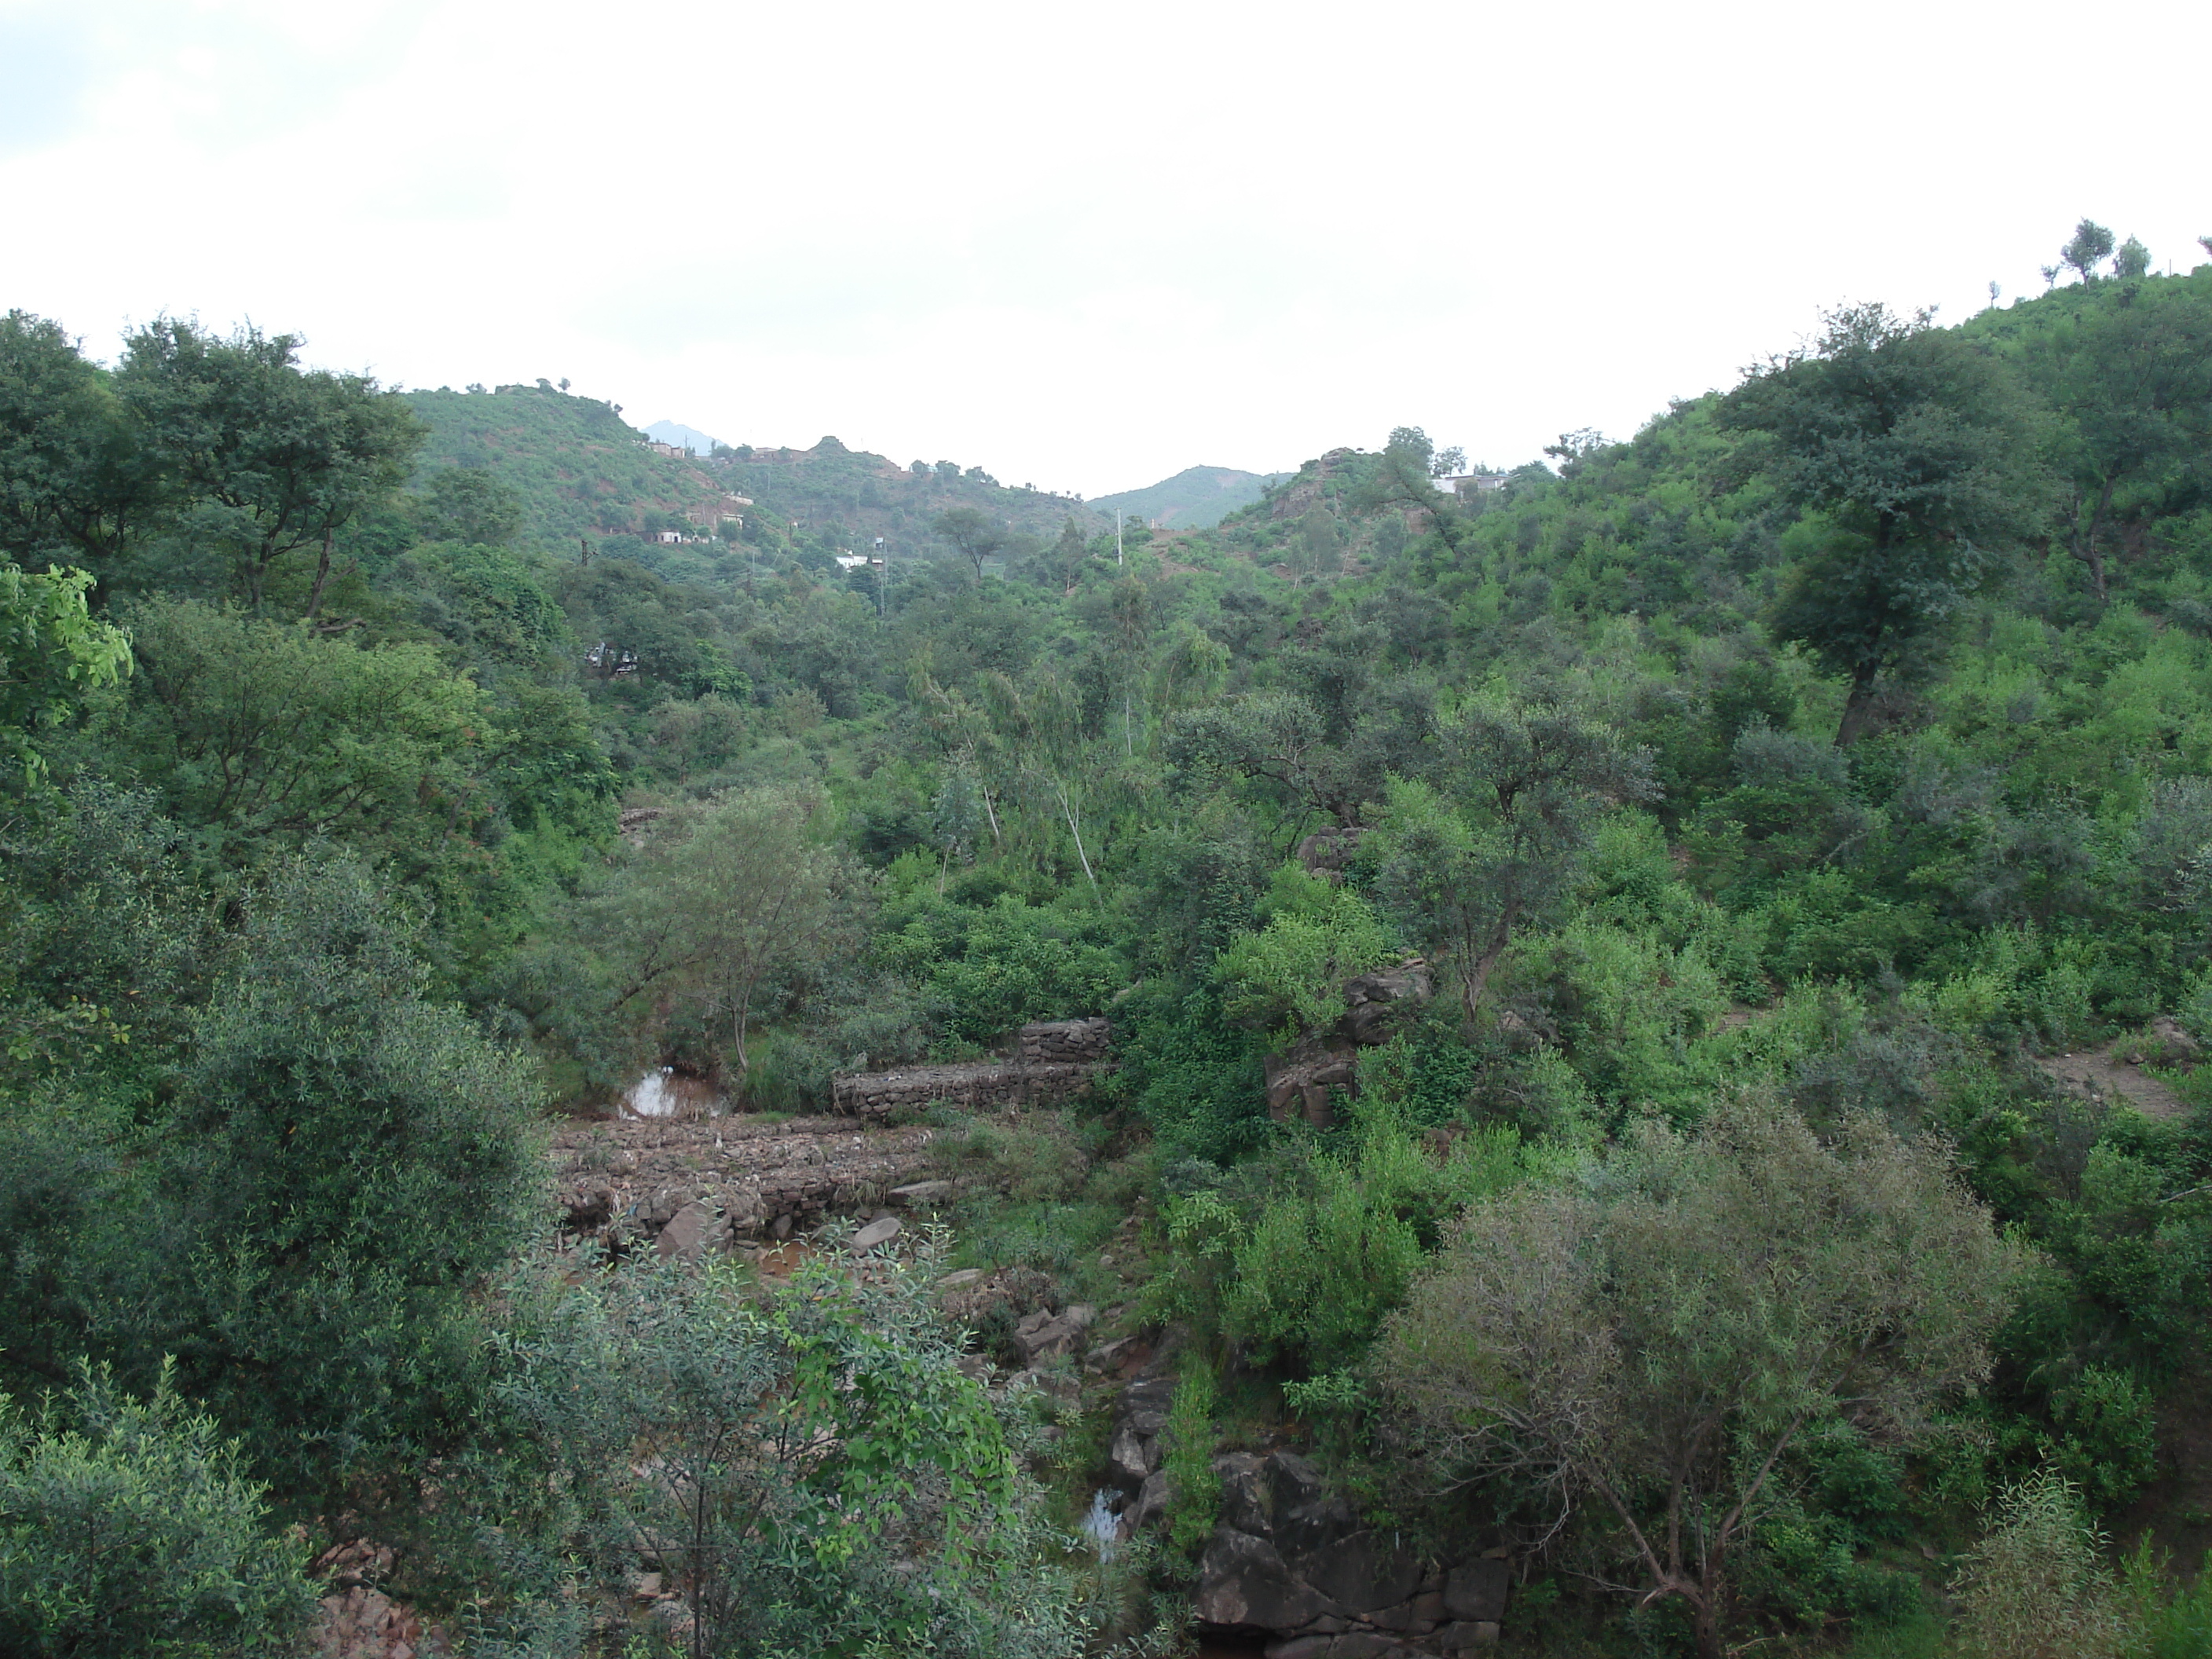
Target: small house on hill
1468	485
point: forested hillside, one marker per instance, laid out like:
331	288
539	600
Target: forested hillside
1656	1097
584	481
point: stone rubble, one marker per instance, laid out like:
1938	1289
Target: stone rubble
355	1619
696	1186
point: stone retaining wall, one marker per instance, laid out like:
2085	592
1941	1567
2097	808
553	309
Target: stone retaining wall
878	1094
1054	1061
1081	1041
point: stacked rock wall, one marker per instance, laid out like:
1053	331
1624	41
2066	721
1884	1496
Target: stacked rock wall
1054	1061
692	1186
878	1094
1083	1041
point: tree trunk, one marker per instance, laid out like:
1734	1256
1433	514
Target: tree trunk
1705	1624
2089	552
1858	707
738	1034
322	575
1478	980
1068	811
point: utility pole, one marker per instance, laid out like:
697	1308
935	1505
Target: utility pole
1117	538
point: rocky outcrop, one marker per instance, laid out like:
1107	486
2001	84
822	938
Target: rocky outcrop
1326	852
2162	1042
1374	1001
1294	1561
1298	1081
974	1296
1136	1449
1045	1336
356	1620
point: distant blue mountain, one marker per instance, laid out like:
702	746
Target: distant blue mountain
1195	498
675	431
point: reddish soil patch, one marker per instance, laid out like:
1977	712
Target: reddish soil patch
782	1261
2097	1072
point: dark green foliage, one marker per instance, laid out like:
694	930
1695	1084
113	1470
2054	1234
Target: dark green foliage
1923	457
825	1481
53	652
345	1163
994	967
128	1530
1194	1077
259	460
1571	739
75	485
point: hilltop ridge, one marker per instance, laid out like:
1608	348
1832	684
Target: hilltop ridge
1196	498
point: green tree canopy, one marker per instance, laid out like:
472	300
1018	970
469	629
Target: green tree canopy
1655	1337
52	652
1921	456
260	458
972	532
1466	860
75	482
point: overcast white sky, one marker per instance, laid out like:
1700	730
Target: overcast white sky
1083	247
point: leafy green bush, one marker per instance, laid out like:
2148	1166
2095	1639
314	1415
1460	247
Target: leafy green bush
993	968
1195	1078
1288	979
1196	1490
1321	1267
346	1162
823	1479
2036	1586
129	1531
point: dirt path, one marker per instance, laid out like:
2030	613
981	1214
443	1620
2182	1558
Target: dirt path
2107	1078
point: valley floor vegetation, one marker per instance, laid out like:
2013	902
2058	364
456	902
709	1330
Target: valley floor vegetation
1742	813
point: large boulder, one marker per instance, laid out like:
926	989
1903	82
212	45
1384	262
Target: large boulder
686	1234
1326	852
2163	1042
1134	1451
1244	1582
1374	1001
1293	1560
1046	1336
1298	1082
1477	1591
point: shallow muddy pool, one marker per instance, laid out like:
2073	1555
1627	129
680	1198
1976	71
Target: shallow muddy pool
666	1092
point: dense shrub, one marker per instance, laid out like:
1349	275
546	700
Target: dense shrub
128	1530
